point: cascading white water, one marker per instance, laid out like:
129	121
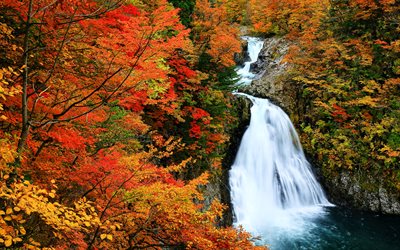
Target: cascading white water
254	47
271	181
273	190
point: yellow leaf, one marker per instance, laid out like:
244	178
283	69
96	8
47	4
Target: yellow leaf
8	241
18	239
16	217
9	210
2	212
7	218
17	209
52	195
22	230
109	237
103	236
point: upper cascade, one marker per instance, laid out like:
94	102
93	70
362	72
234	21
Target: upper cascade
254	48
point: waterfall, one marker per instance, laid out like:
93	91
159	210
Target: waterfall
273	189
254	46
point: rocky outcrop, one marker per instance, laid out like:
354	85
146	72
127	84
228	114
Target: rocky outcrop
271	73
347	188
362	192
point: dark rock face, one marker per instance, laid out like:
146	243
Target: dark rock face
242	57
347	188
243	109
362	193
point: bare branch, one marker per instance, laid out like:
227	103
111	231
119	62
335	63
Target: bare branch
88	96
59	50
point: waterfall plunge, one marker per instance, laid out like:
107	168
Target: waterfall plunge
274	192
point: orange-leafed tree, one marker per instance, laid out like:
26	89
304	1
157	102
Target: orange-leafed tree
291	18
213	32
83	64
86	162
350	73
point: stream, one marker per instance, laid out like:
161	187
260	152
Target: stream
338	228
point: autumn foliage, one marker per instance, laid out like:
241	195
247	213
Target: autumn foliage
102	109
345	62
114	114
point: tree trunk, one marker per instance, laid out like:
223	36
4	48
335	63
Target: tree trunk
25	80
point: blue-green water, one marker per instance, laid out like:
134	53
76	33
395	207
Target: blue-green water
339	228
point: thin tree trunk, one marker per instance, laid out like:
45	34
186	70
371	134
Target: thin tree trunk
25	80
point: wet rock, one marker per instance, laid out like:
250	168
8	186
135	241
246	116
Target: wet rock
373	204
395	207
384	199
361	192
389	203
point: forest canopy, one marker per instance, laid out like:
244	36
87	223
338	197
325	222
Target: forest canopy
116	114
